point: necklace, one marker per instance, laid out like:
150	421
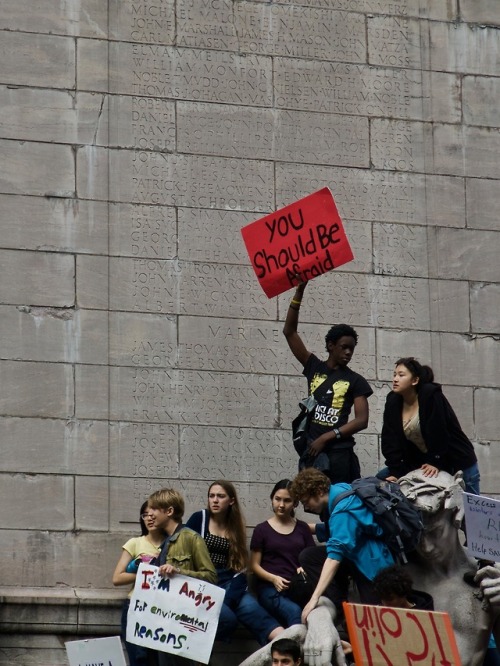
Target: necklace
155	545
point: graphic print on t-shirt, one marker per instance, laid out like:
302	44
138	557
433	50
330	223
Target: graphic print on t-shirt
328	414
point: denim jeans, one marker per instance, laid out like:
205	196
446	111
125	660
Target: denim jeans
279	605
137	655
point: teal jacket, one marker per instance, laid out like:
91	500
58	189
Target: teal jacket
354	534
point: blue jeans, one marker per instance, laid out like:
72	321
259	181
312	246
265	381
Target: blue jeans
137	655
279	605
244	608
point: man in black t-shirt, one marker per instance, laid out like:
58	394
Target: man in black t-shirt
339	389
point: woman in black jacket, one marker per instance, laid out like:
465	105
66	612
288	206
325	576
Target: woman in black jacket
421	431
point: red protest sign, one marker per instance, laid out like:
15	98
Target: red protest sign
382	636
306	237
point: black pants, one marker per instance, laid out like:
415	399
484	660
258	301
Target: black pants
312	560
344	465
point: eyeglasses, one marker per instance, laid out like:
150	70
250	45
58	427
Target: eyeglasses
145	516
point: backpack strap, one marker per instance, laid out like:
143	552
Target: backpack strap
339	498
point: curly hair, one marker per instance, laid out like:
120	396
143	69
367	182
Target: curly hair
309	482
339	331
392	582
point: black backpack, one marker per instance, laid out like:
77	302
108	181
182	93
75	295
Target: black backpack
399	519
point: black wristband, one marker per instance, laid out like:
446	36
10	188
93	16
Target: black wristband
338	434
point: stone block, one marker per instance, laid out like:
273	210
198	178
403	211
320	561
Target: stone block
398	145
68	446
480	11
151	70
240	454
290	136
482	209
486	455
442	97
143	231
91	392
36	389
385	196
176	180
480	94
53	334
485	308
23	169
300	32
87	18
464	254
158	395
359	90
62	225
466	360
92	66
53	558
464	48
34	59
32	649
396	41
142	122
486	403
439	9
159	286
58	116
392	345
400	249
144	450
210	26
210	343
142	22
42	502
461	398
361	242
91	502
449	305
208	235
92	281
481	152
144	340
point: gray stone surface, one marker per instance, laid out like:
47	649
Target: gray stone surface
137	347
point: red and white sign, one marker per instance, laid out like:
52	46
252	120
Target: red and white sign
307	238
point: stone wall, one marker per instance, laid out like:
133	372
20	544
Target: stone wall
137	348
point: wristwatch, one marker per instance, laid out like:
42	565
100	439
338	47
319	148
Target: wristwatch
337	433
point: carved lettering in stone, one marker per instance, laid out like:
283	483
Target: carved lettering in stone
153	123
394	42
143	231
301	32
223	344
360	194
397	145
150	21
206	24
151	453
353	89
400	250
207	235
152	70
244	454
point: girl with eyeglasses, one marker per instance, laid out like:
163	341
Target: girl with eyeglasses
136	550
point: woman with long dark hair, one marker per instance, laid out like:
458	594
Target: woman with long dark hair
222	526
421	431
274	555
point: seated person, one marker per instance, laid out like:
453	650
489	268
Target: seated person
394	586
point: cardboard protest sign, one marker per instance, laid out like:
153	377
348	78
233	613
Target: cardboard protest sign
482	523
99	651
306	237
178	614
382	636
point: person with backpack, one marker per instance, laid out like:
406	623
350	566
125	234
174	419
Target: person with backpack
420	430
354	537
336	389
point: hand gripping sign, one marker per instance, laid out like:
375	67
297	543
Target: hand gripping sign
177	615
306	237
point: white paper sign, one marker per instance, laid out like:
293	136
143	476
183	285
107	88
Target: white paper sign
178	614
482	523
96	651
